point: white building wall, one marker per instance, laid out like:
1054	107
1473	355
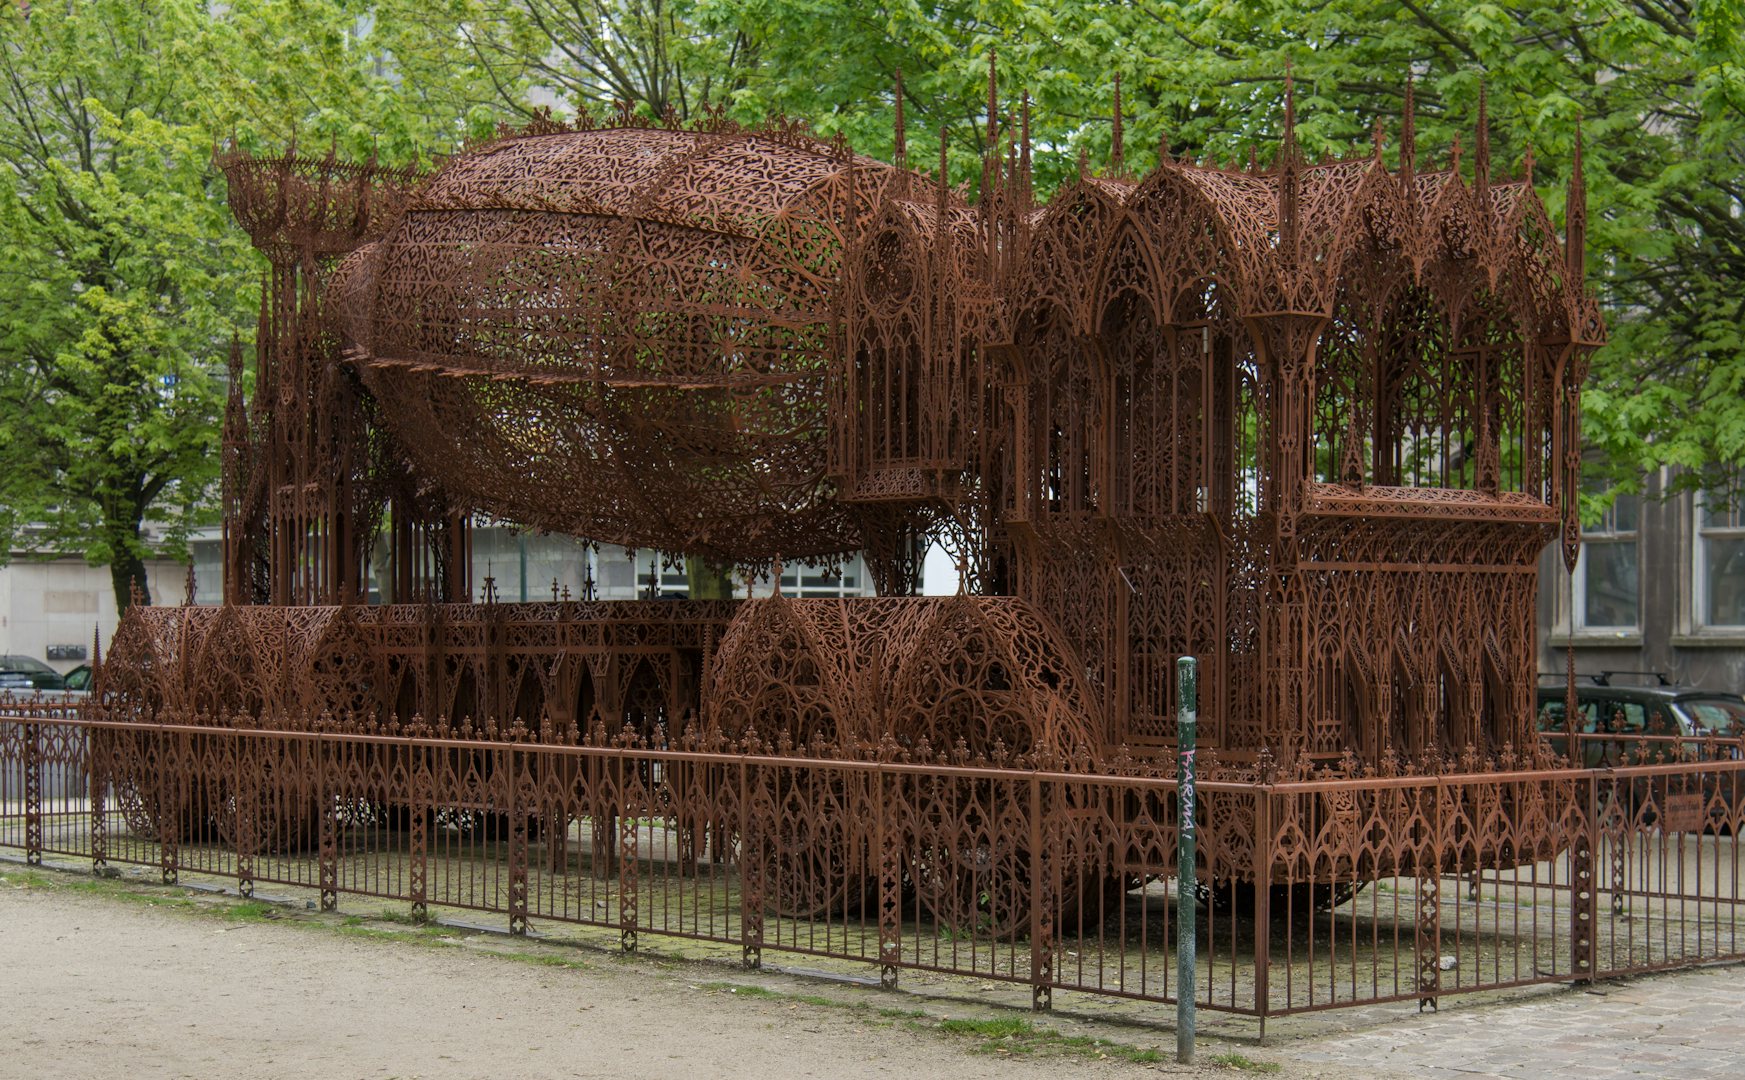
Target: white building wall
58	603
517	561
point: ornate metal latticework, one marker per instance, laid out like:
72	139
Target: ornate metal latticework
1310	423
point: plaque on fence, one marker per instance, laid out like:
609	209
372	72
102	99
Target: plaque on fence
1684	813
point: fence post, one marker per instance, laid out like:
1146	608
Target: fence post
517	842
1583	889
1263	860
418	822
172	776
627	855
890	856
329	842
1041	909
248	803
1186	887
32	791
751	876
96	773
1428	882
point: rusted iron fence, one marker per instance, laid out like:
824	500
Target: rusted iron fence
1357	891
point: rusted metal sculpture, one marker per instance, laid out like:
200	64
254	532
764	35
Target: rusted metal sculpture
1310	423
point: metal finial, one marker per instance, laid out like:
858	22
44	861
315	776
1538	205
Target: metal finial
1575	215
1116	148
1408	132
1288	147
993	99
1481	143
899	139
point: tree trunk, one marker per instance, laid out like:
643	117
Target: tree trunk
707	581
126	568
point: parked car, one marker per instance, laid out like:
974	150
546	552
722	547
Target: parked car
28	673
1654	725
1643	718
79	678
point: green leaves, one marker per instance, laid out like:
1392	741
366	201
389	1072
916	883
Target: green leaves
123	278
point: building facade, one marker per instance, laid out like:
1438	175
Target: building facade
1659	589
51	607
524	566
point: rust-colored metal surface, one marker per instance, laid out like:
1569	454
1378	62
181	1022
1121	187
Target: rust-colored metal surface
1310	423
620	332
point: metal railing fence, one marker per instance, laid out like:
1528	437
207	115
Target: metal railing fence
1314	894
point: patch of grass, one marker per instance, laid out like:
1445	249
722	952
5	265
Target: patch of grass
1001	1027
1246	1064
740	989
901	1014
1015	1035
404	918
250	911
404	936
542	959
819	1000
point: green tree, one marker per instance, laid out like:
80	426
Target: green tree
655	56
123	278
120	283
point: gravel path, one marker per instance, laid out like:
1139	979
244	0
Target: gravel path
101	987
117	980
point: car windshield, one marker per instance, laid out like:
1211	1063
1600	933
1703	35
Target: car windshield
1721	715
24	663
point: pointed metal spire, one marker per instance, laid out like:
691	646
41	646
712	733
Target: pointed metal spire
1288	146
1116	147
1481	143
899	141
944	177
993	98
1164	157
1377	140
1024	178
1454	155
853	194
1408	135
1287	175
1575	216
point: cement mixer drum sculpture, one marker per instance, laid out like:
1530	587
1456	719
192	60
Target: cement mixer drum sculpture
1310	423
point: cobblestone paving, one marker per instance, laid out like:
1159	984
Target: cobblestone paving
1689	1024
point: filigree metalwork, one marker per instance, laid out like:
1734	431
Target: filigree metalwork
1310	423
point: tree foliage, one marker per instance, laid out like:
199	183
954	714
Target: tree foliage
122	278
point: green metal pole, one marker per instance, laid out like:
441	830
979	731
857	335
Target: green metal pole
1187	722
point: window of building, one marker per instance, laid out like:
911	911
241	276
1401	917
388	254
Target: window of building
1720	559
1607	576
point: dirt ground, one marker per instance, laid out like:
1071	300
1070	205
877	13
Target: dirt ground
104	980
